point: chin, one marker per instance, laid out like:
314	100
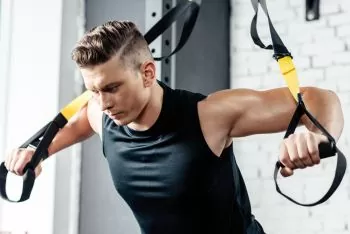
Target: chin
121	122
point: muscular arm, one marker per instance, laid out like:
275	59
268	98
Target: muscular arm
246	112
79	128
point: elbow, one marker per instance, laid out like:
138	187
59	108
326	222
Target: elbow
325	105
321	97
336	114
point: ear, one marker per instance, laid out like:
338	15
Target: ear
148	71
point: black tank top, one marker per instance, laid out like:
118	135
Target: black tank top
170	178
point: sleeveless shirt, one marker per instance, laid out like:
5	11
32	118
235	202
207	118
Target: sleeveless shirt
170	178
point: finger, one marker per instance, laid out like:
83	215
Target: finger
285	172
8	158
38	170
284	157
322	138
22	161
13	159
293	152
312	146
303	151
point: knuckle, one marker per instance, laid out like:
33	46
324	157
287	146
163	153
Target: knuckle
309	135
282	144
284	160
303	157
18	169
288	141
313	151
295	160
27	155
291	137
20	153
301	137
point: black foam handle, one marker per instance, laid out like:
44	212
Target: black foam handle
327	149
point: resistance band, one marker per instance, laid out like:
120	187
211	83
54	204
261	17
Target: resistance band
287	68
43	138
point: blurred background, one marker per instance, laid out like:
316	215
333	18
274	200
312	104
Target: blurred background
75	194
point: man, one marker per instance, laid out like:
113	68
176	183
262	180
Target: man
170	151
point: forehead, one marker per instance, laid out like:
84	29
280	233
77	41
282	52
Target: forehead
102	74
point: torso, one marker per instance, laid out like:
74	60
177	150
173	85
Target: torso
167	174
180	178
215	134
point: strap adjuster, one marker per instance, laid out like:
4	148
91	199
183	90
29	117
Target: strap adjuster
278	56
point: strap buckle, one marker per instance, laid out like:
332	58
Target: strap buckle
278	56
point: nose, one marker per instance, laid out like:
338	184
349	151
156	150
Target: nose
105	102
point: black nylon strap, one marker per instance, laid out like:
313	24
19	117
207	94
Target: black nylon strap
280	50
190	9
28	183
325	150
338	177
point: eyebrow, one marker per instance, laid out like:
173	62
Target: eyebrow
108	86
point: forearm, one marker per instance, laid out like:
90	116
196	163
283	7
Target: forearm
76	130
325	106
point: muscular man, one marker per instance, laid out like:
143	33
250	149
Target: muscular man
170	151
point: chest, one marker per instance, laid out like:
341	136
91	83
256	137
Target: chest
168	166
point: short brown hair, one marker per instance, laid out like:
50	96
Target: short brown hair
111	38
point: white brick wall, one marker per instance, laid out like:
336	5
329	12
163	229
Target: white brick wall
321	51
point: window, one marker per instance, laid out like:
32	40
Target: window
5	45
5	40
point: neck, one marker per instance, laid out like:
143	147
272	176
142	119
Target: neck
151	111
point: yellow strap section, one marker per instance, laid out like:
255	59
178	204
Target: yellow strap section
74	106
290	75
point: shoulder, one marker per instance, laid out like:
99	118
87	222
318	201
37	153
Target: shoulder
215	117
229	102
220	110
216	109
95	116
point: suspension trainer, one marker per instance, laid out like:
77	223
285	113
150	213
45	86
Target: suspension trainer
289	73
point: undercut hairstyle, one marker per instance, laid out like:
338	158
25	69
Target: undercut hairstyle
113	38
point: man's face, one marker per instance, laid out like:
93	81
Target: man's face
121	92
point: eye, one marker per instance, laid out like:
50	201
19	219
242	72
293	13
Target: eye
113	89
95	94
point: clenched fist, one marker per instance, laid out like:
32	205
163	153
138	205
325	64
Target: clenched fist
300	150
17	159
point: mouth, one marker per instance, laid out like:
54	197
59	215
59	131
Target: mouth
115	115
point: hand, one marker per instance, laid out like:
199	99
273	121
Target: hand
299	151
17	159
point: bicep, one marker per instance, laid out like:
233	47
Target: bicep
263	112
247	112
